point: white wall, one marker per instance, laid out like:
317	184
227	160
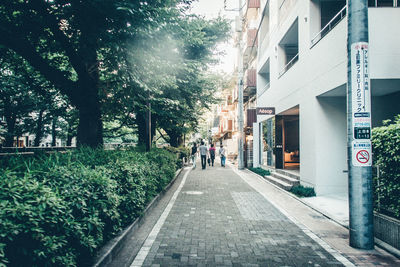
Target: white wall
384	36
319	70
331	146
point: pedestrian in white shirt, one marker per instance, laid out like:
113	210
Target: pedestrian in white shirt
203	154
222	155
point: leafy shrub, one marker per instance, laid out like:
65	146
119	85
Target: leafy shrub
386	152
303	191
181	152
32	225
59	209
260	171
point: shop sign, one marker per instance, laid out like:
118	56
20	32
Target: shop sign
266	111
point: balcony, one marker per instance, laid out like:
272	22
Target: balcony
252	9
253	3
329	26
250	50
264	89
289	65
250	84
251	117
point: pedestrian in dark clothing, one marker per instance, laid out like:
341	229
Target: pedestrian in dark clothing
193	154
203	154
212	154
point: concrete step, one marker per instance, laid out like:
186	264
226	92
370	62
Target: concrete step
286	179
287	173
278	182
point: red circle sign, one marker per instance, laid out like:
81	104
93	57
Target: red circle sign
362	156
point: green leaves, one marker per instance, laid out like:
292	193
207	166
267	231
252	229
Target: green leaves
58	210
386	153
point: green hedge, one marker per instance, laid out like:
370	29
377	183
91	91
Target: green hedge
181	152
58	210
260	171
386	152
303	191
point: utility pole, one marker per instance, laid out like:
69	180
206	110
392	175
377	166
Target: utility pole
240	87
239	29
359	127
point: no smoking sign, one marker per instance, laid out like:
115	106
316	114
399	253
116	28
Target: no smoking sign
362	156
361	153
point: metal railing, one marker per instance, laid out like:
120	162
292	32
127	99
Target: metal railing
328	27
377	3
289	65
265	88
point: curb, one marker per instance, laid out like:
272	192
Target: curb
109	251
377	242
300	200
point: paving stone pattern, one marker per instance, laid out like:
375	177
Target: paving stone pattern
219	220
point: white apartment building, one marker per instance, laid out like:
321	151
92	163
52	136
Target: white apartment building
302	73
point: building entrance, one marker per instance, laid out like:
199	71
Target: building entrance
287	145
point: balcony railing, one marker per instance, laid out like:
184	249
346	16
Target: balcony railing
289	65
328	27
265	88
251	78
378	3
251	37
253	3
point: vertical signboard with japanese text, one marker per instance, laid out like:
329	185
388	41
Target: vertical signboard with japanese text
361	105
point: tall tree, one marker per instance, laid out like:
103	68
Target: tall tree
172	75
67	40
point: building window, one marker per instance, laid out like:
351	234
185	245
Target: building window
264	27
383	3
324	16
288	51
264	78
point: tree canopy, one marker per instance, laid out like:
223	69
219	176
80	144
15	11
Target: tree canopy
110	59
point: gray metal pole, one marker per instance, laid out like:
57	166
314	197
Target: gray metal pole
359	127
240	85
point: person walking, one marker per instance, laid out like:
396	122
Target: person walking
203	154
222	155
212	154
193	154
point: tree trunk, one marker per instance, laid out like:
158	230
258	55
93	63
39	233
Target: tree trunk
54	132
90	127
175	139
141	124
10	121
9	142
69	136
39	129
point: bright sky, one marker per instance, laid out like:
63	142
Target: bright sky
211	9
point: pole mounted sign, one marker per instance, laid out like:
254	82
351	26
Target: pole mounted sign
361	105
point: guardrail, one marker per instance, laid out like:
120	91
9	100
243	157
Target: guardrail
289	65
328	27
265	88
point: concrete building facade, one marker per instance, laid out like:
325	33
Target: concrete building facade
302	73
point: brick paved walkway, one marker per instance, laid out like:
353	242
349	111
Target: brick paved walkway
219	220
